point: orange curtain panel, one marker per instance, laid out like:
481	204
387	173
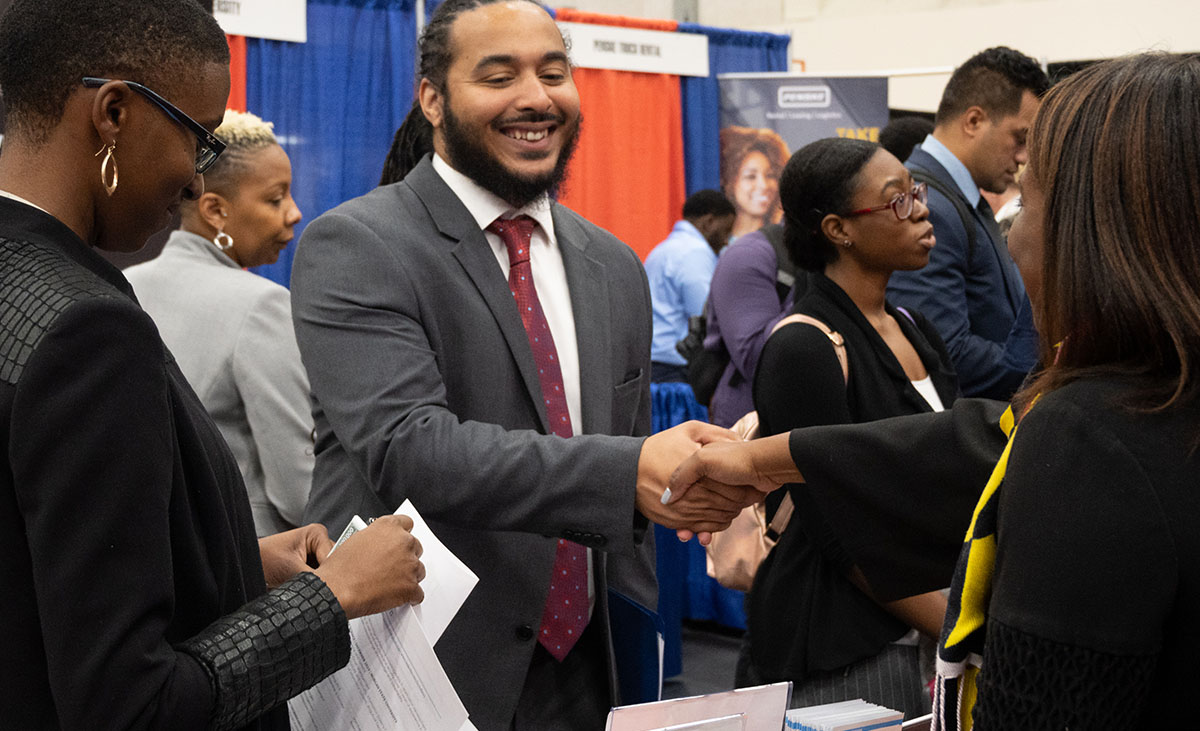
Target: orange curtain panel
627	175
570	15
237	73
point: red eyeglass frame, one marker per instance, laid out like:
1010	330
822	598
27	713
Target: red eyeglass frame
919	192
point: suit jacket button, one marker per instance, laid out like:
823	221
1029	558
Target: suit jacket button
524	633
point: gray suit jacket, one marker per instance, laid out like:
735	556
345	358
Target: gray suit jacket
231	332
424	387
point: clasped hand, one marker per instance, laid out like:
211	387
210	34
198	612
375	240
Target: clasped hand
702	508
712	476
376	569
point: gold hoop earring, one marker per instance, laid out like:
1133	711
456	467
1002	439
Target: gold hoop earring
223	241
109	160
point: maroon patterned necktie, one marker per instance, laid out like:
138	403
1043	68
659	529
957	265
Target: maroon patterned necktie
566	613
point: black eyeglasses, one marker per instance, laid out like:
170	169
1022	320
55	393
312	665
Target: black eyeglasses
209	146
901	204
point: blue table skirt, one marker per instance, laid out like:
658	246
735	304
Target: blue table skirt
684	587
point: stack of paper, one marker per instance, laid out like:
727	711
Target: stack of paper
394	679
856	715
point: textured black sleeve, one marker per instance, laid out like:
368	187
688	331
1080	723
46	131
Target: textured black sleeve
1032	683
274	647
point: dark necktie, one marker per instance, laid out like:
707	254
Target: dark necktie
566	613
989	222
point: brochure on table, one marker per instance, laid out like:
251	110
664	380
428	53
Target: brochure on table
759	709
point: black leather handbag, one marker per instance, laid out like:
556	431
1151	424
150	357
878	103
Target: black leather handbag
704	367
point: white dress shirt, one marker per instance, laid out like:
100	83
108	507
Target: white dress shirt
549	280
545	258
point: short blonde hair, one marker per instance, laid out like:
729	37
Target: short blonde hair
243	133
243	130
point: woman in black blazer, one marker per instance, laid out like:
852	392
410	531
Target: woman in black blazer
854	216
135	593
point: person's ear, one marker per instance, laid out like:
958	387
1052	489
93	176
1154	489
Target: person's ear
110	110
835	228
705	224
213	209
432	101
974	122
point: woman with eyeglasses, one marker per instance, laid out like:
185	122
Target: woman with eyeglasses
852	216
231	330
135	593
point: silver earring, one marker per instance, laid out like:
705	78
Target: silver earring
109	160
223	241
847	243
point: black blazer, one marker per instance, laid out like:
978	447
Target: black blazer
133	589
124	524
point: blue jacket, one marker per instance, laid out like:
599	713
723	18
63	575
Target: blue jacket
976	302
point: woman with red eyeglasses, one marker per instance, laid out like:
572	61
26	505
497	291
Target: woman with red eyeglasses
852	216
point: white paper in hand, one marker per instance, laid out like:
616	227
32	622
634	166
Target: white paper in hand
447	582
394	679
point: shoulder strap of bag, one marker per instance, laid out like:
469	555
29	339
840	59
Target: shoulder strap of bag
747	426
779	522
921	175
839	343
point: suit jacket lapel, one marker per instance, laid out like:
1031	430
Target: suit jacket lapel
474	254
1008	269
998	246
588	283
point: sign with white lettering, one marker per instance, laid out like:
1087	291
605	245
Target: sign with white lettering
634	49
801	109
804	97
279	20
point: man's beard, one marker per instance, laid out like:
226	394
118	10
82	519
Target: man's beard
472	159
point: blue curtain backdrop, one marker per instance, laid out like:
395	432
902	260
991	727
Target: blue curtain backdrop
729	51
336	100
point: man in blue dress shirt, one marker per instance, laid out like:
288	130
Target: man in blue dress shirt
680	270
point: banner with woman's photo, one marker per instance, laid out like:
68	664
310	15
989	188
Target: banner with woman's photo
765	117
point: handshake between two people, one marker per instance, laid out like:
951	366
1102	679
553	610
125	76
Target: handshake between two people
695	477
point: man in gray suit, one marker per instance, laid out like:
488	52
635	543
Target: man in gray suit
455	326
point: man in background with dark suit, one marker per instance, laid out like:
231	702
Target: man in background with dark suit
971	289
480	349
